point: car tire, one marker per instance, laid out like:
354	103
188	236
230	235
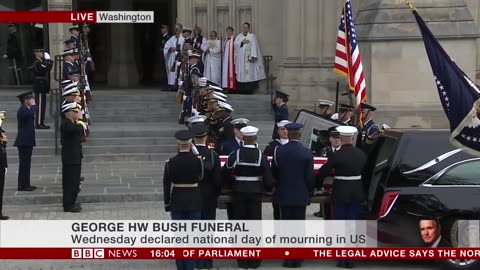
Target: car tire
457	239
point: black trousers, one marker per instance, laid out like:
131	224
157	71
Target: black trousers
2	186
70	184
276	211
247	206
41	101
293	213
207	214
25	157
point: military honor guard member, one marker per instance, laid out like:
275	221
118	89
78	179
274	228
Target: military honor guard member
225	127
70	132
211	184
70	69
252	177
269	150
75	33
292	169
182	176
41	85
334	145
344	115
281	110
347	191
3	163
325	107
25	140
235	143
370	130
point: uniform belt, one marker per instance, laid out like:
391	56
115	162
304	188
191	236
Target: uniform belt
185	185
349	178
248	178
40	77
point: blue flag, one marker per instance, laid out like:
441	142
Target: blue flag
460	97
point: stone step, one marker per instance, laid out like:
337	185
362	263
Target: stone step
160	109
163	118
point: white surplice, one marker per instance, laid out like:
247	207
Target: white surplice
170	57
248	71
213	61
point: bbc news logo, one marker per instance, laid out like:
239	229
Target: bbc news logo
87	253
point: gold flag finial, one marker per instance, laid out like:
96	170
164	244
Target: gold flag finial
409	4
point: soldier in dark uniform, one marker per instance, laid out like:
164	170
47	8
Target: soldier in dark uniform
14	53
347	191
344	115
41	85
69	66
370	130
334	145
211	184
225	127
184	172
292	168
25	140
325	108
252	176
71	132
69	44
3	163
233	144
75	33
269	150
281	110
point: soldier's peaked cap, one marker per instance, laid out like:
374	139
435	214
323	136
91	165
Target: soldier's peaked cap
71	92
197	119
281	94
72	106
294	126
25	95
184	136
325	102
74	27
199	130
346	106
347	130
367	107
65	83
333	132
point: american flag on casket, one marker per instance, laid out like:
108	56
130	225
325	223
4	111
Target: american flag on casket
317	162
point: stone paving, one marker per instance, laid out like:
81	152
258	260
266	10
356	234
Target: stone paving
149	211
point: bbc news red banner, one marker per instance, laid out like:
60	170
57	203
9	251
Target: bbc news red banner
76	16
242	253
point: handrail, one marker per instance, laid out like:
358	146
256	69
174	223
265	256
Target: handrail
55	100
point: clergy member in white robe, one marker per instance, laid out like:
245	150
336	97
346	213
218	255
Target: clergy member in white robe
229	78
170	51
213	59
249	61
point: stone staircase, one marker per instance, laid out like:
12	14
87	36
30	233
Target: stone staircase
132	136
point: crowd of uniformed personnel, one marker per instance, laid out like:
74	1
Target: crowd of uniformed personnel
194	178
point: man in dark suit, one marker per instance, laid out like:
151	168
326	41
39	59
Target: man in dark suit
41	84
70	132
347	191
211	184
234	143
279	104
25	140
252	176
3	163
292	168
181	191
431	232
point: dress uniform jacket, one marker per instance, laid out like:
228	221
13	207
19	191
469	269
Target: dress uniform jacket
250	169
41	68
68	68
271	147
26	127
292	168
225	130
184	169
211	184
3	151
347	185
71	143
369	132
281	113
230	146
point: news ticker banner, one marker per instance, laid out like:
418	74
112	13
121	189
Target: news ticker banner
77	17
165	239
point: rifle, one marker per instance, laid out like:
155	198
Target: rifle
83	53
178	56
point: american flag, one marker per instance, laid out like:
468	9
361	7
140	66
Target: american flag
348	61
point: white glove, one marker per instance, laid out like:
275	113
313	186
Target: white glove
46	56
6	170
5	56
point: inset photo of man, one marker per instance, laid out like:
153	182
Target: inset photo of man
431	232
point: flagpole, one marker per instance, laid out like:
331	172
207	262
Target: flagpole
337	93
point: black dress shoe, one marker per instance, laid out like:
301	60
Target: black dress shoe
46	126
77	204
74	209
2	217
318	214
82	178
31	188
42	127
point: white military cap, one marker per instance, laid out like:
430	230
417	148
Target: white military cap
249	131
2	115
225	105
71	92
240	121
347	130
69	107
202	82
325	102
283	123
197	119
215	88
218	97
220	94
70	86
65	83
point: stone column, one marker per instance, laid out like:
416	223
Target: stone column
122	70
57	32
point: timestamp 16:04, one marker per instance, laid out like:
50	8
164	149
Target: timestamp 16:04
162	253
